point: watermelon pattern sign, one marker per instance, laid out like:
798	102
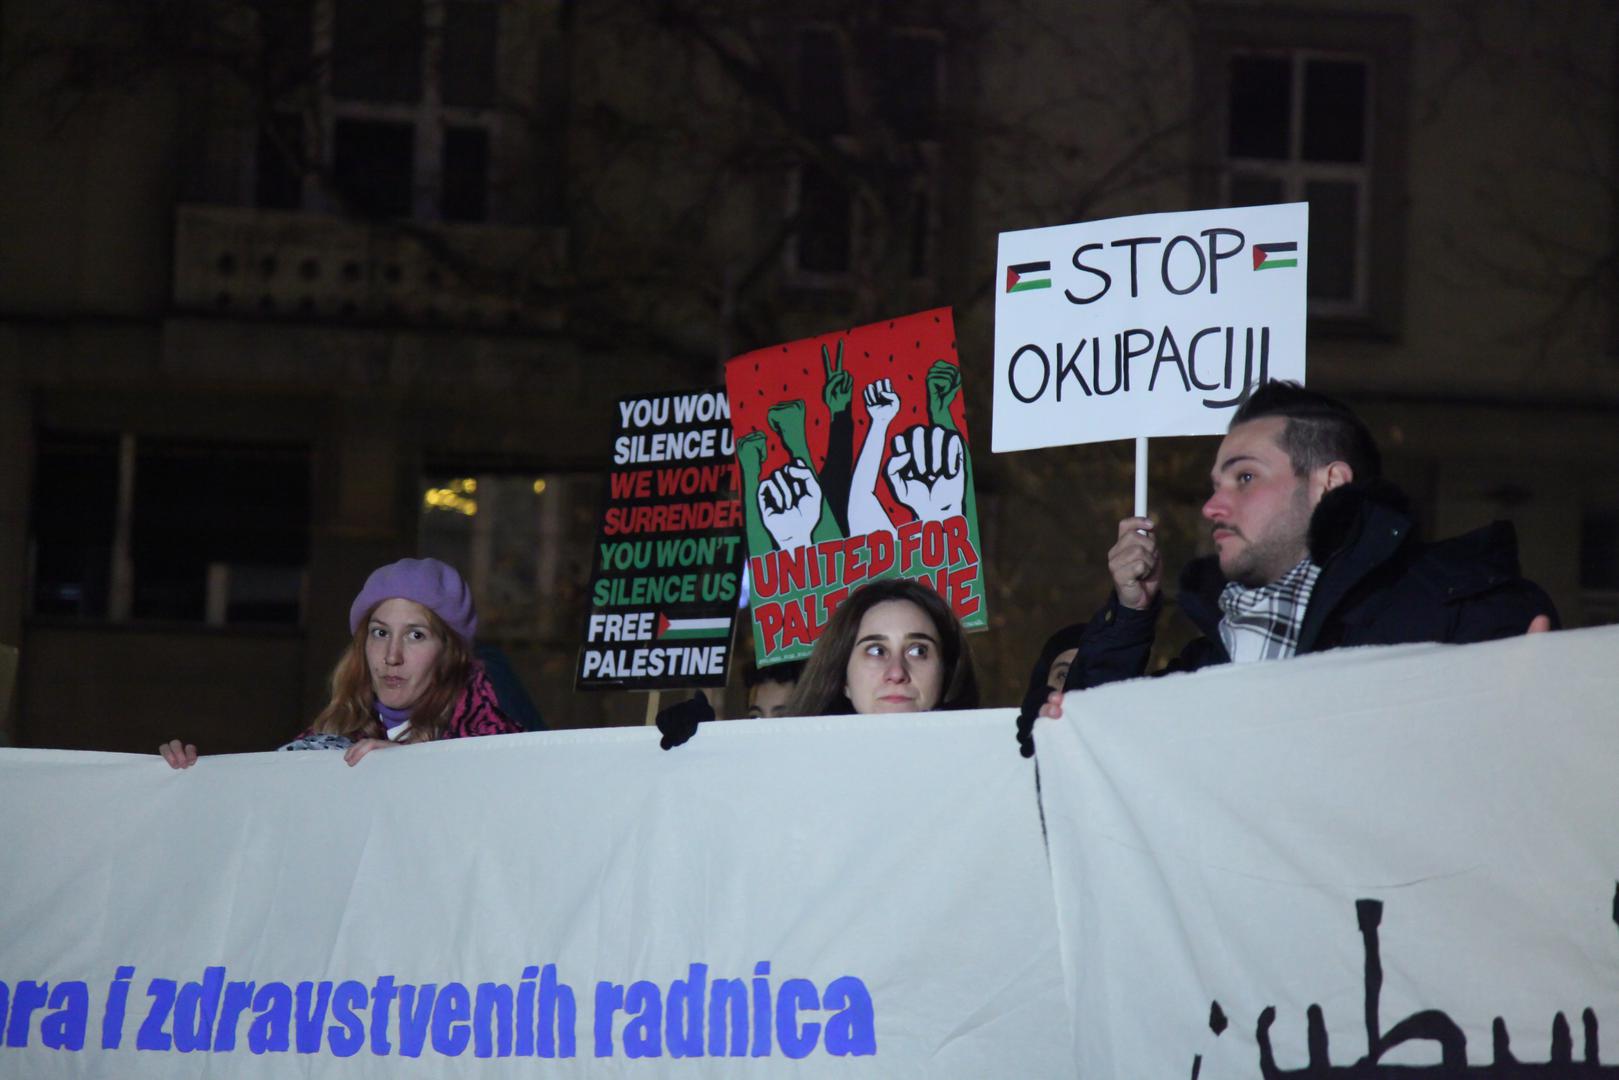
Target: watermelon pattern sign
668	561
855	465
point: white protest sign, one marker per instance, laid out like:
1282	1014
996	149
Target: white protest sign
1144	326
1354	864
852	896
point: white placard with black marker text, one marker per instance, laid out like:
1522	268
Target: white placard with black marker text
1147	325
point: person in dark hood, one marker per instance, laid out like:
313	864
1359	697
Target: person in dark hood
1313	551
1050	669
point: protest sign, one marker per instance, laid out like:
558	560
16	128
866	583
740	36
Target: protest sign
1146	325
855	465
862	896
1368	862
667	572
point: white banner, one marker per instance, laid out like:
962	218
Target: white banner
851	897
1402	858
1145	325
1375	857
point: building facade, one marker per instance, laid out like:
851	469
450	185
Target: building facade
290	290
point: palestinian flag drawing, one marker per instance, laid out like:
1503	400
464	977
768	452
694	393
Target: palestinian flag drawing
1021	277
1275	256
685	629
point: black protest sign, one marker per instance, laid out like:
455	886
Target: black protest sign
669	551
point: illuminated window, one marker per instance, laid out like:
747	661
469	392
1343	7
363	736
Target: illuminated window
523	541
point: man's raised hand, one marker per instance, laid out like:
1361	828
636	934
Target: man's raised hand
1135	563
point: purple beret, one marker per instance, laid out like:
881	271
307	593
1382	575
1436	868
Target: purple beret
432	584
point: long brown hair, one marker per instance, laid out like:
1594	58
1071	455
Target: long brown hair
826	673
352	710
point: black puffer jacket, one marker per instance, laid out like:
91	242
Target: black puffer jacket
1378	586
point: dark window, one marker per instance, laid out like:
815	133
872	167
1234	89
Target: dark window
373	166
919	234
824	221
1334	111
1261	96
910	85
1334	238
213	515
286	32
822	86
465	177
377	50
471	32
279	179
1322	162
1249	190
1313	105
1599	551
75	502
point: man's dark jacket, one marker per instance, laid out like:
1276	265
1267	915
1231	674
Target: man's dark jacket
1379	585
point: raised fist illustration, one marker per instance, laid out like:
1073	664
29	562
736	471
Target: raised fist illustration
751	451
790	504
882	404
928	471
786	419
944	380
866	513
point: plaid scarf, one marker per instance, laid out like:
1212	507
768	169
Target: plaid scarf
1264	623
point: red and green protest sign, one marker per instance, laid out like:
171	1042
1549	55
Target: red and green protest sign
668	562
855	465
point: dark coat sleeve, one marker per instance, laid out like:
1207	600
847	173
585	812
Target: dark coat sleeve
1118	642
1503	611
1458	591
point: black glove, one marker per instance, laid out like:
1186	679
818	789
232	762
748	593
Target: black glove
679	721
1033	698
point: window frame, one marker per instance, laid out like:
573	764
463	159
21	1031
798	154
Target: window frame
429	118
925	177
1381	41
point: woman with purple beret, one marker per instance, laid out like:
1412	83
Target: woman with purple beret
408	674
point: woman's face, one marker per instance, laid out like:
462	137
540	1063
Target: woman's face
895	665
1057	673
400	651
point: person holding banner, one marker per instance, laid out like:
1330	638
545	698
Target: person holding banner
1314	551
408	674
1050	669
770	689
893	646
